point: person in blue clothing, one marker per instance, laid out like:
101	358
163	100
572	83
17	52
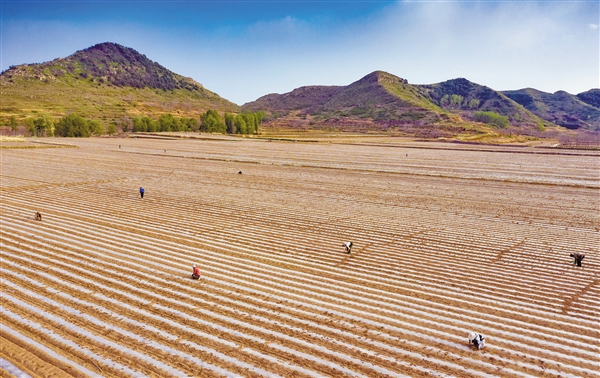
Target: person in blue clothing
141	192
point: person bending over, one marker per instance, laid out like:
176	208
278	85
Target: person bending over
196	272
577	257
476	340
347	246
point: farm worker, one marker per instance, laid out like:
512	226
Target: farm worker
141	192
477	340
347	246
577	257
38	216
196	272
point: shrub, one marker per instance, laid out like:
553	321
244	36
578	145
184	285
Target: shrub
541	126
95	127
491	118
41	126
72	125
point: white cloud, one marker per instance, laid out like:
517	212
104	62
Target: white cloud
593	26
504	45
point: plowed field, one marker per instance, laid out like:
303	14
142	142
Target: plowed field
448	239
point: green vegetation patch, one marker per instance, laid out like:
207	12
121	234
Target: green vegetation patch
491	118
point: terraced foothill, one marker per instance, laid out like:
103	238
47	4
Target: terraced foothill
448	239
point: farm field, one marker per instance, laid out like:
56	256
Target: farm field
447	238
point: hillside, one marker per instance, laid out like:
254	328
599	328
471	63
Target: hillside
560	107
382	96
591	97
381	100
379	96
465	98
110	83
303	98
106	81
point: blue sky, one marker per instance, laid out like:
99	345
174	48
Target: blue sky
245	49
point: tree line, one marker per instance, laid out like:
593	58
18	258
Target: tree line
244	123
165	122
73	125
210	122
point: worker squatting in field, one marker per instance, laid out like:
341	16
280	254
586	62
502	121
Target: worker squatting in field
476	340
577	257
38	216
347	246
195	272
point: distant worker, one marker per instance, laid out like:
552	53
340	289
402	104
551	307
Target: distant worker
195	273
347	246
38	216
577	257
477	340
119	146
141	192
240	172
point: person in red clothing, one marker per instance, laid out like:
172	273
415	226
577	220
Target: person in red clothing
196	273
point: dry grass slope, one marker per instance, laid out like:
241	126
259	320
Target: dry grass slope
104	82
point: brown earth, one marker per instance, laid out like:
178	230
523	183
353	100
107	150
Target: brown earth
447	239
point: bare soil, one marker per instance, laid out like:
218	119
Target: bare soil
448	239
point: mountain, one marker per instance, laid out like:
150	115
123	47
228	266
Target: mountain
379	96
106	81
300	98
383	97
560	107
109	82
465	98
591	97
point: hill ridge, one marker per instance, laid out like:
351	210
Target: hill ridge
560	107
105	81
382	96
109	81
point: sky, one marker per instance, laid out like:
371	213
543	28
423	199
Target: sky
245	49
